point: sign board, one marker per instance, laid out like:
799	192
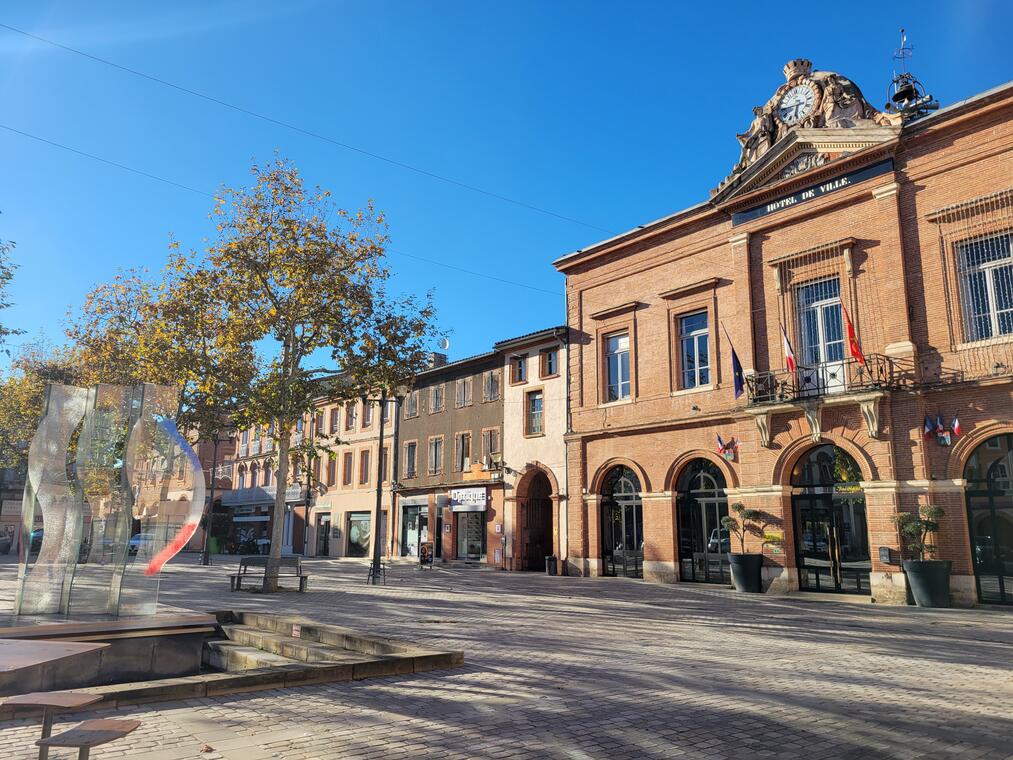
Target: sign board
468	499
296	631
426	553
815	191
413	501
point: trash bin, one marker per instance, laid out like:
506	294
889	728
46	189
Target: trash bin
550	565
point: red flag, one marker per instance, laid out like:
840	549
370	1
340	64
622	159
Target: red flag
853	348
789	354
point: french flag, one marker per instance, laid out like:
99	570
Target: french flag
939	424
721	445
789	354
929	427
955	427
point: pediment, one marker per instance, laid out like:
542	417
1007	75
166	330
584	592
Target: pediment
800	152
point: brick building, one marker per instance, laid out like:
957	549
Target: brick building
901	224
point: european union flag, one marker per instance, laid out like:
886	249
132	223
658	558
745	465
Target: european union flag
737	377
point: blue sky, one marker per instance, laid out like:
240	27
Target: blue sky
612	114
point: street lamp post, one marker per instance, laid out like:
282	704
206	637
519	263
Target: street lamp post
205	557
374	572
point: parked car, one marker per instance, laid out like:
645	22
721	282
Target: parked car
139	540
720	541
36	541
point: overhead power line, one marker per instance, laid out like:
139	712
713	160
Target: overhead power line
180	186
303	131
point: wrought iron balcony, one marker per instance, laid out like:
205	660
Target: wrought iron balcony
846	376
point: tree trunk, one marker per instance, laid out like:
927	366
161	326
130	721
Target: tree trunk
278	513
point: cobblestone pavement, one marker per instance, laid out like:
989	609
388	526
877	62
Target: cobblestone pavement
593	668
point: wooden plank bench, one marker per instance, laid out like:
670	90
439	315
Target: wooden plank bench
51	702
90	734
288	567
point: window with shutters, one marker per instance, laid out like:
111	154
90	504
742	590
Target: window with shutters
411	451
490	385
436	455
437	402
464	391
462	452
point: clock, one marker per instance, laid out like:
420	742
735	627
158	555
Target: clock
796	104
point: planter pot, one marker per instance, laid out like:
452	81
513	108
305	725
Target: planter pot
746	572
929	580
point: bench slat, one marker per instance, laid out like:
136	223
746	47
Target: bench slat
91	733
57	700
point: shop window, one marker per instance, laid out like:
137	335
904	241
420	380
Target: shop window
346	469
985	268
462	452
364	467
490	385
463	394
533	421
359	524
548	362
436	455
437	402
694	350
519	369
411	408
617	366
411	451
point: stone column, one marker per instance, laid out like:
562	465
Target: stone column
660	563
889	586
779	572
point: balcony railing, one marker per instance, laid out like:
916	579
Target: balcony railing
845	376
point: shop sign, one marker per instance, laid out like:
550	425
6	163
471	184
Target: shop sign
816	191
413	501
468	499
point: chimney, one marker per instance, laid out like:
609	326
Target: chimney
436	359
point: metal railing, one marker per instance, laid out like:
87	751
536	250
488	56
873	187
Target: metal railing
846	376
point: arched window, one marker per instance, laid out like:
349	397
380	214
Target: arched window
989	495
701	504
622	523
831	533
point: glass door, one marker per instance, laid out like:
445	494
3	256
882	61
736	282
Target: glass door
471	535
624	539
324	535
833	546
990	518
703	543
410	531
822	338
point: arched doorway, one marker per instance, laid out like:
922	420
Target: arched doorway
989	494
622	516
703	543
831	533
535	518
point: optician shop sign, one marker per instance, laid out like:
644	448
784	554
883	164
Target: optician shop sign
816	191
468	499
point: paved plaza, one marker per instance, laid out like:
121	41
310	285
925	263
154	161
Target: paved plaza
594	668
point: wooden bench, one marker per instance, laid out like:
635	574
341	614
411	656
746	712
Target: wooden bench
90	734
50	703
288	567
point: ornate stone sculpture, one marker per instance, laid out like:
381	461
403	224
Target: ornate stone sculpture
807	100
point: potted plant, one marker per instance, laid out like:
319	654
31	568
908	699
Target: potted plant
745	566
929	579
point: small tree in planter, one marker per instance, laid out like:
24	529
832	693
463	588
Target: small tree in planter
745	566
929	579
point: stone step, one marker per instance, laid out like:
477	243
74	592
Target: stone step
289	647
329	635
231	656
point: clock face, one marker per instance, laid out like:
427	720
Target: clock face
796	104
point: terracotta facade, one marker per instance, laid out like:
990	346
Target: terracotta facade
876	231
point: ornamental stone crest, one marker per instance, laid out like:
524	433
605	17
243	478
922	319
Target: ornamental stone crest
808	100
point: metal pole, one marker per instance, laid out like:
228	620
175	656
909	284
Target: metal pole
395	468
378	513
205	557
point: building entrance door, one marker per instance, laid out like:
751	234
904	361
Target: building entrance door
324	535
622	518
831	533
822	338
990	518
703	543
471	535
536	524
